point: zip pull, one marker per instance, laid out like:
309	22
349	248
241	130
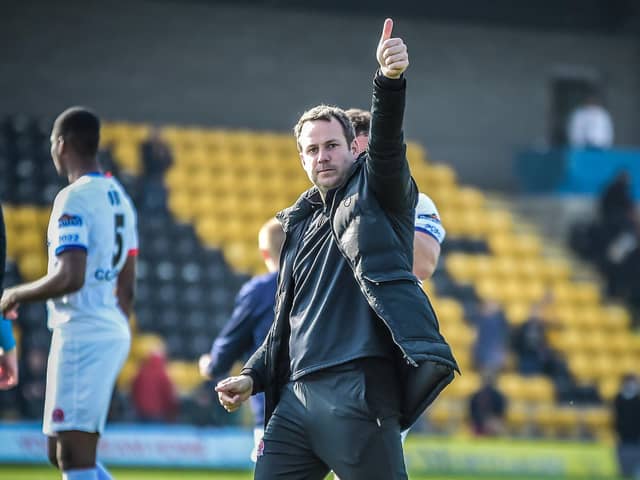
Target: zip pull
410	361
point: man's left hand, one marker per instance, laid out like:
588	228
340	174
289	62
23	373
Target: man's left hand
392	54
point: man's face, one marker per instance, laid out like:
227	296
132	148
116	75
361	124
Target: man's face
324	152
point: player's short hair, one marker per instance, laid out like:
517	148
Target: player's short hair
326	113
80	128
361	120
271	239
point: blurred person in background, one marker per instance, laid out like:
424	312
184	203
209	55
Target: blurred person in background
536	356
626	410
89	285
8	350
487	408
153	393
492	339
354	355
590	125
156	160
250	321
429	231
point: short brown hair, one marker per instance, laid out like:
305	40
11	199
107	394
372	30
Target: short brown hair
361	120
326	113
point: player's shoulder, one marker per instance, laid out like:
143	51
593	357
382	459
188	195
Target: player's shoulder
258	284
75	192
425	205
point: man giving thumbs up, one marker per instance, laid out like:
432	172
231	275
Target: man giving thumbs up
354	355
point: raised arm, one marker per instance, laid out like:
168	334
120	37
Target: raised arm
387	166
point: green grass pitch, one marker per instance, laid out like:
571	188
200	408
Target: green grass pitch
16	472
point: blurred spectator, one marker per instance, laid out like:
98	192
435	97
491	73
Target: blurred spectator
590	125
627	426
612	241
490	349
153	393
535	355
156	159
487	408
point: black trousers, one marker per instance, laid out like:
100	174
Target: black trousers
343	419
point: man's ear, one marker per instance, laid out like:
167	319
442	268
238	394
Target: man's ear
61	145
354	147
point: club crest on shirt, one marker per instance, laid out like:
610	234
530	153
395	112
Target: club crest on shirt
260	449
69	220
57	415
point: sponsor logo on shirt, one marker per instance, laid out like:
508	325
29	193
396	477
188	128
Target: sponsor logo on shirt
69	238
431	216
68	220
105	274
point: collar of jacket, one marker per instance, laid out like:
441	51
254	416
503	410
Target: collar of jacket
303	207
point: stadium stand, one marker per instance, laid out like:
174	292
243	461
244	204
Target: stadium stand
196	250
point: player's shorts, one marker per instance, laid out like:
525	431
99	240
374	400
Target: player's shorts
81	374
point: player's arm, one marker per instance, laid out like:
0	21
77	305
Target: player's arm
387	167
429	235
68	277
125	286
426	252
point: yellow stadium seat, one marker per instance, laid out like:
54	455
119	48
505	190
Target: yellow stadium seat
498	222
598	421
556	270
457	265
127	374
615	316
33	266
463	386
609	388
503	244
518	416
185	375
506	267
441	175
469	198
449	310
528	246
517	312
143	345
181	207
586	294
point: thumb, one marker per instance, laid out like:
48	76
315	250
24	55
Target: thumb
386	30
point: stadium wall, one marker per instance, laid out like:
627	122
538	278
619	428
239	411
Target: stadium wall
476	93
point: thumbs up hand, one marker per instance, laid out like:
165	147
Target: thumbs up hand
391	53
